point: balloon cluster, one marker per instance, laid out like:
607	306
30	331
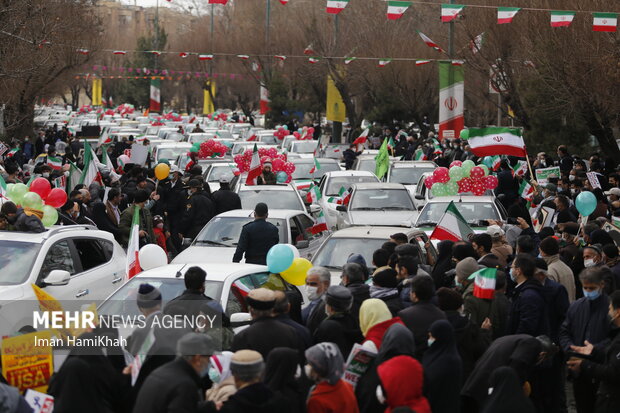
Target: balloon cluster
281	132
125	109
284	259
210	149
175	117
158	122
40	197
283	169
460	178
85	109
305	133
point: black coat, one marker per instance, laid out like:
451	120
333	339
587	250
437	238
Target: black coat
606	368
301	330
557	306
199	210
471	340
315	315
418	319
173	387
265	334
256	238
528	312
585	320
360	293
341	329
102	220
255	398
226	200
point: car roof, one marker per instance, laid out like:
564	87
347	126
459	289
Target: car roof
285	187
273	213
40	237
413	164
215	272
311	160
349	173
462	198
174	145
378	185
372	232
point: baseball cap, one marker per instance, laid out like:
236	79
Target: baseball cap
495	231
613	191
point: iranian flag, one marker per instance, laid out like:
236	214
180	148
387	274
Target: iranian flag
55	163
363	138
449	12
496	141
526	191
255	167
107	162
183	55
314	194
283	2
396	9
316	167
348	60
205	57
133	247
421	62
429	42
218	1
264	100
243	56
2	188
520	168
346	196
605	22
73	177
119	52
451	100
384	62
562	18
280	57
452	226
484	283
320	224
12	152
419	155
314	60
90	173
336	6
496	161
337	199
155	101
476	43
506	14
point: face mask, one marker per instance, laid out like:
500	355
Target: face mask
214	375
430	341
573	191
592	295
311	292
308	371
204	371
380	395
46	174
160	225
589	263
512	276
571	177
298	372
189	192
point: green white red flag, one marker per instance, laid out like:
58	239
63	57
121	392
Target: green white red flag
2	188
452	226
54	163
496	161
316	167
90	173
526	191
520	168
605	22
396	9
348	60
255	167
384	62
449	12
133	246
419	155
562	18
421	62
506	14
496	141
451	100
429	42
484	283
314	194
320	224
363	138
336	6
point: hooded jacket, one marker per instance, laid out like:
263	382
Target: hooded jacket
402	379
325	398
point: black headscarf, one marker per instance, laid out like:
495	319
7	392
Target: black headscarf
507	395
600	236
444	262
281	367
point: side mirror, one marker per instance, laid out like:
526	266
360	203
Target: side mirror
420	208
302	244
186	242
314	209
240	319
419	197
57	277
341	208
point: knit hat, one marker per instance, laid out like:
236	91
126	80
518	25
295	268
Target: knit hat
148	296
261	299
385	278
465	268
339	298
357	259
195	344
246	363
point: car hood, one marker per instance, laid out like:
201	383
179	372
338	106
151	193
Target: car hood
382	218
196	253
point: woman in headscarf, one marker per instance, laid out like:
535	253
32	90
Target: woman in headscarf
506	393
385	287
443	369
280	376
375	319
443	265
223	381
330	394
401	381
397	341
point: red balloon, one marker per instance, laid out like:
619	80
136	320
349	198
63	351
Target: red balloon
476	172
456	163
491	182
441	174
41	186
296	135
56	198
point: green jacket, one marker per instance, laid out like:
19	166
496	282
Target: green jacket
146	224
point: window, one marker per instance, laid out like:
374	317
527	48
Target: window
58	258
296	234
307	224
236	298
91	253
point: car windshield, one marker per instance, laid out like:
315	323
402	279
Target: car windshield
408	176
275	199
240	129
220	171
335	252
368	165
124	301
337	182
303	146
302	170
170	153
200	137
16	261
225	231
240	148
381	199
472	212
177	137
269	139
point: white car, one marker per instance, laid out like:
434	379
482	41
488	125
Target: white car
170	151
330	185
214	171
238	129
423	195
76	264
239	147
302	178
302	149
408	173
283	196
218	239
377	204
340	245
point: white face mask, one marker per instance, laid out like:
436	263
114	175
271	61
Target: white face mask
380	395
312	292
571	177
589	263
46	174
308	371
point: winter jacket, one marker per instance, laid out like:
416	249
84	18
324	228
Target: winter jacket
471	340
265	334
255	398
339	398
557	306
585	320
226	200
418	318
256	238
28	223
146	225
605	368
198	211
376	332
402	378
528	312
341	329
560	272
360	293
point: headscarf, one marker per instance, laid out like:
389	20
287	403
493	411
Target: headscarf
327	361
221	363
600	236
402	379
507	395
282	364
444	344
444	261
397	341
372	312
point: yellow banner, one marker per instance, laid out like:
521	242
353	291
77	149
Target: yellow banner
27	361
208	107
96	93
336	111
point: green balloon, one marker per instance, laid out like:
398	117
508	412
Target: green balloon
467	165
50	216
465	134
438	189
18	192
163	160
32	200
452	188
457	173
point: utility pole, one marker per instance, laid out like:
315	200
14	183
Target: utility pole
337	126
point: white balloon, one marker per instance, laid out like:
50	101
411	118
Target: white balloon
294	249
152	256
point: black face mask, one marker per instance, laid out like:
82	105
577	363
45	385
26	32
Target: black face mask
11	219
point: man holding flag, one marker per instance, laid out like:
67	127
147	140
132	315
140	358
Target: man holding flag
143	225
